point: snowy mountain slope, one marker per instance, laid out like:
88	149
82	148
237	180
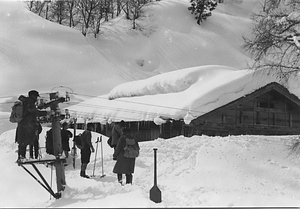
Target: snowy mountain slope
51	55
172	32
39	54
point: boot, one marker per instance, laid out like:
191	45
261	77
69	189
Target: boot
82	174
129	178
119	175
85	176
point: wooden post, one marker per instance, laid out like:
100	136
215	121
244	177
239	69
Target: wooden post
56	134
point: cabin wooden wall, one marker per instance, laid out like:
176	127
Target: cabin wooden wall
268	114
147	130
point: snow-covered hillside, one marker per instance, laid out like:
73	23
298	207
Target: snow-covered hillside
44	55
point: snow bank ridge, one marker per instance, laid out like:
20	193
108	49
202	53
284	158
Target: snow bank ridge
171	82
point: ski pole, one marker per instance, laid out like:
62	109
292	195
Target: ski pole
74	147
51	177
95	156
102	158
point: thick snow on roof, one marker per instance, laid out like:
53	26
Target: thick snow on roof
182	94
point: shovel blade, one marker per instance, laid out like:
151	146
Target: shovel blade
155	194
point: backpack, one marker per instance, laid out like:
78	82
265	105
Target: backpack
78	140
109	141
49	143
132	149
16	114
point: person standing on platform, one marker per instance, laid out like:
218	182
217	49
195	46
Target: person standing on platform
26	130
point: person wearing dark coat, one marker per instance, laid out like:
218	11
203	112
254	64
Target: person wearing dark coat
26	130
117	132
87	150
123	165
35	147
65	136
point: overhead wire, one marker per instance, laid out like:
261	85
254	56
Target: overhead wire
118	99
146	104
121	109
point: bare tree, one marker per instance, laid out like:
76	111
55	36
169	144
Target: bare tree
125	8
274	43
70	9
87	8
135	9
97	17
119	7
59	8
89	14
132	9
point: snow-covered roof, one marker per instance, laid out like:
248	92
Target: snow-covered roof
182	94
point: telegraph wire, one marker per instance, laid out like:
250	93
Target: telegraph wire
140	103
113	108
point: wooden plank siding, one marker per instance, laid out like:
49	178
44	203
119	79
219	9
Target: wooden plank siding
271	110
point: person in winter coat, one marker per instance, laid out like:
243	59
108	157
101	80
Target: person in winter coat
35	147
117	132
124	165
26	130
65	136
87	150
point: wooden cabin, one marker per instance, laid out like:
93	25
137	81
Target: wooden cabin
270	110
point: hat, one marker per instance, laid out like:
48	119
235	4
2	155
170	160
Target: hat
122	123
33	93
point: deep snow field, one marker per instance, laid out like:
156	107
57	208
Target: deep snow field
200	171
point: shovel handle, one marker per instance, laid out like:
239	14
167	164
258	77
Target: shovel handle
155	166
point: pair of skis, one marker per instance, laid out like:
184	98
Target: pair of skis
99	141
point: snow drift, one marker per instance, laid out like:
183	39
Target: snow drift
182	94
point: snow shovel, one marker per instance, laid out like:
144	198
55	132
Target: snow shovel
155	193
96	156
